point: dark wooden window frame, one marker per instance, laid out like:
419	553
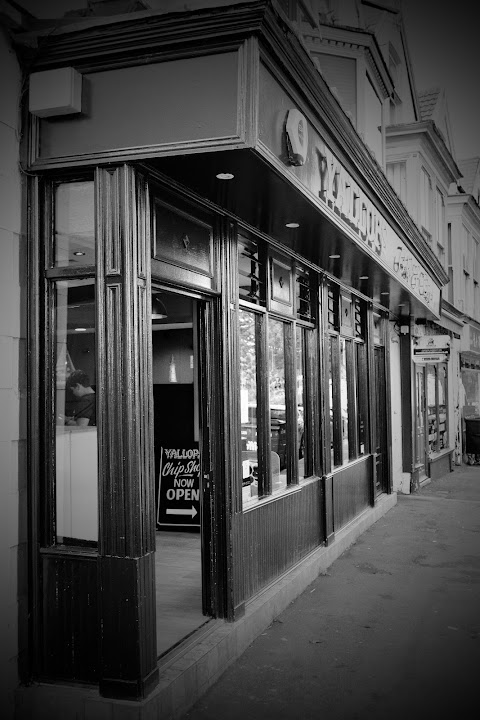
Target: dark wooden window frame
339	301
291	316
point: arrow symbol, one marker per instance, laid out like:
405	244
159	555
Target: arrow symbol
177	511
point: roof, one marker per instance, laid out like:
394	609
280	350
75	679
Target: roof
427	100
469	169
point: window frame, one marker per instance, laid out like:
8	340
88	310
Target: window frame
268	309
50	275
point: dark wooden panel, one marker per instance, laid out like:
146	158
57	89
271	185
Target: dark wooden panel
195	100
273	537
70	618
351	491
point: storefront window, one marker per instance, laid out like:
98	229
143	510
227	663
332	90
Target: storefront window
344	406
277	364
74	235
76	475
442	407
278	406
362	399
348	372
437	407
301	404
248	404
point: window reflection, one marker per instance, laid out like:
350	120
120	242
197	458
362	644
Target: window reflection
300	387
278	416
248	405
74	224
75	413
344	398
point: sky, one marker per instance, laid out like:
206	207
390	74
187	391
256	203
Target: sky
444	41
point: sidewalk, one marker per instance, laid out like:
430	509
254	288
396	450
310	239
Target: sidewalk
391	631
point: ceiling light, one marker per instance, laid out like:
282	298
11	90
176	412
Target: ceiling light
78	252
80	329
334	257
384	293
363	277
225	176
292	225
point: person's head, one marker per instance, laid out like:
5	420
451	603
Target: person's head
78	382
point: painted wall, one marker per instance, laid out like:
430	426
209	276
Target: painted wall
12	381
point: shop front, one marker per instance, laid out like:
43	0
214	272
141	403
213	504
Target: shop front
212	284
470	380
433	426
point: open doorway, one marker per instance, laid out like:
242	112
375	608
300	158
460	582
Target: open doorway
177	443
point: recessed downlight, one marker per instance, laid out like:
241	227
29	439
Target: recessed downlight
363	277
225	176
384	293
292	225
333	257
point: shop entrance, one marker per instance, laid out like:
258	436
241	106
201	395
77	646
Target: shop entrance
181	593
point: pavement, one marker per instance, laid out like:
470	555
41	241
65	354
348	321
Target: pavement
390	632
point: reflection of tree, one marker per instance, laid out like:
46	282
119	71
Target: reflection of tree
248	358
277	362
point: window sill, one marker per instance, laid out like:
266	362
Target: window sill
437	455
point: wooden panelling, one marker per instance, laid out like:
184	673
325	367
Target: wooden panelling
351	491
274	536
70	618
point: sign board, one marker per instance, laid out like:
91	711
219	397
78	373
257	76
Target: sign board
179	487
431	349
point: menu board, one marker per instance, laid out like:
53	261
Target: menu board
179	487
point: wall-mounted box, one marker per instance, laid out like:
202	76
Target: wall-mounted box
55	92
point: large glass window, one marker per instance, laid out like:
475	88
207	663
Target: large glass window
347	370
279	430
71	390
437	407
248	342
277	362
75	412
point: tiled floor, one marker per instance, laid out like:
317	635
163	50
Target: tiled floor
179	587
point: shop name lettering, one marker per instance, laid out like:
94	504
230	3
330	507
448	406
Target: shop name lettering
343	196
338	190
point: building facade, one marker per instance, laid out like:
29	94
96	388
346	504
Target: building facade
224	293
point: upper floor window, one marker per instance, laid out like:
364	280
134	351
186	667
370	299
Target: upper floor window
426	205
373	121
440	226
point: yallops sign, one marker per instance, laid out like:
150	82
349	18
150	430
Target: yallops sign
179	487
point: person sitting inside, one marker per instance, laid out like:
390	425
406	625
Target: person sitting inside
85	406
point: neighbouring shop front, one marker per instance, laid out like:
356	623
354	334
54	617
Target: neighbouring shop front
470	399
214	269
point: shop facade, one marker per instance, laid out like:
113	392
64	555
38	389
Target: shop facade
216	252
